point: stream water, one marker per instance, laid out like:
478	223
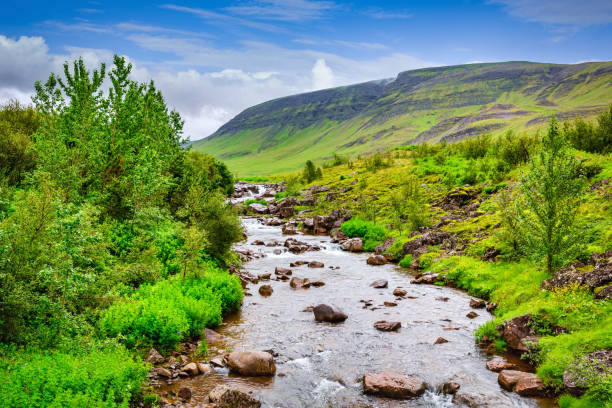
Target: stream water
322	364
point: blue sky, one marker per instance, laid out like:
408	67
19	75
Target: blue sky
214	58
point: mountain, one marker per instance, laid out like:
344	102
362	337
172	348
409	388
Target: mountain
425	105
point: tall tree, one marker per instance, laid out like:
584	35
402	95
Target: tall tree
551	193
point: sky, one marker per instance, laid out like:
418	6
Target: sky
212	59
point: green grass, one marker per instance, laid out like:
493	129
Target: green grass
371	233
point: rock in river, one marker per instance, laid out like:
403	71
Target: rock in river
251	363
225	397
392	385
265	290
379	284
377	260
399	292
327	313
353	245
315	264
524	384
384	325
299	283
477	303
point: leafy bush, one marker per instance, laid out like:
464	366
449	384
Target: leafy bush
406	261
371	233
591	138
99	376
170	311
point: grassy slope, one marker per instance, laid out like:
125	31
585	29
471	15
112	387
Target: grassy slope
513	283
468	95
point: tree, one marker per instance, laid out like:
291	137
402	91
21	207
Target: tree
551	192
311	172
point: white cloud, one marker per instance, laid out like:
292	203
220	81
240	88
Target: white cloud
322	75
207	85
283	10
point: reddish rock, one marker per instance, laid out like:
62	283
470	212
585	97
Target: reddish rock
251	363
163	372
392	385
377	260
265	290
384	246
379	284
282	271
299	283
191	369
327	313
440	340
450	387
472	315
154	357
500	364
477	303
386	326
524	384
399	292
491	306
315	264
317	284
353	245
224	396
390	304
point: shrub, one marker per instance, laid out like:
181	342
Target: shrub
591	138
99	376
406	261
372	234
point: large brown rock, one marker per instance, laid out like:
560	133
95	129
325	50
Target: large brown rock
316	264
258	208
399	292
477	303
499	364
299	283
265	290
191	369
279	271
376	260
524	384
517	331
599	276
392	385
384	246
224	396
286	212
418	246
353	245
327	313
251	363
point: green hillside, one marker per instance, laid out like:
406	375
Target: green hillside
432	104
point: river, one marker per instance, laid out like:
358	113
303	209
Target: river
322	364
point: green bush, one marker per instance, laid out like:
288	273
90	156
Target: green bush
372	234
98	376
406	261
170	311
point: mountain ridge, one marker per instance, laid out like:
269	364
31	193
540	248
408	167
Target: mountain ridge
447	103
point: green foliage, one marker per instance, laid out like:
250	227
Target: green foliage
516	149
406	261
550	195
408	206
249	202
591	138
311	172
172	310
377	161
97	376
17	124
371	233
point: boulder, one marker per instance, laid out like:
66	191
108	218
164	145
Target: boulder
440	340
386	326
299	283
379	249
265	290
491	306
205	368
379	284
427	278
251	363
286	212
163	372
472	315
392	385
217	362
517	331
279	271
377	260
389	304
327	313
499	364
353	245
224	396
191	369
524	384
418	246
315	264
289	230
258	208
154	357
264	276
477	303
399	292
317	284
599	276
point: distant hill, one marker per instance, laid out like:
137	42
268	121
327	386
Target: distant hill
424	105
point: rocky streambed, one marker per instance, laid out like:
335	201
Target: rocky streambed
385	335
